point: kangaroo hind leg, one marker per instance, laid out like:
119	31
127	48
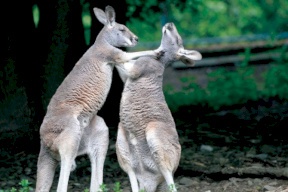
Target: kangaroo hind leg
124	157
165	149
96	138
46	167
67	145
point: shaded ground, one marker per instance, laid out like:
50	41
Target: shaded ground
203	168
236	149
200	170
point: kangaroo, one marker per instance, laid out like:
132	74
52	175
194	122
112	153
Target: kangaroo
147	144
71	126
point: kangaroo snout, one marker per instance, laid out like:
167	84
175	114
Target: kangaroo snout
168	26
134	40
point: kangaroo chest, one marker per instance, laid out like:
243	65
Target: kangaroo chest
139	107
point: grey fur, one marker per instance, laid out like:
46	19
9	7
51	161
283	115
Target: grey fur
71	126
147	145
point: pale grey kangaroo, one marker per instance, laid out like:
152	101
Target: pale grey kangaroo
147	144
71	126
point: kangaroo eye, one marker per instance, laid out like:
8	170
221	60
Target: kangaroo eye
122	29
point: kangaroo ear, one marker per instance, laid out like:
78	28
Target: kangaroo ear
100	15
110	14
189	56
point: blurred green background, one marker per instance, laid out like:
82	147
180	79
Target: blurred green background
210	18
198	19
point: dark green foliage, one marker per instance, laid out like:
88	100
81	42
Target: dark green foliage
54	70
117	187
207	18
191	94
277	81
14	111
24	187
230	87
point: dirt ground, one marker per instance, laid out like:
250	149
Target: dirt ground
203	168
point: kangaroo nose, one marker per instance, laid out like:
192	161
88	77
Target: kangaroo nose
170	26
136	38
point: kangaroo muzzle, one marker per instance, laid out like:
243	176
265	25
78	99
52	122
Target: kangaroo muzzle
134	40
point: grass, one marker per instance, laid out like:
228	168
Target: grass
24	186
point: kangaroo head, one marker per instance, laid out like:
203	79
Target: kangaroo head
172	47
115	34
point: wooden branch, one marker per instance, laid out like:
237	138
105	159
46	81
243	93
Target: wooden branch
212	61
239	45
254	169
257	170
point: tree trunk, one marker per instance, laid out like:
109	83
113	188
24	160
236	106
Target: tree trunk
18	70
65	42
75	40
20	46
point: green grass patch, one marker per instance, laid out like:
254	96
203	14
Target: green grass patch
226	87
